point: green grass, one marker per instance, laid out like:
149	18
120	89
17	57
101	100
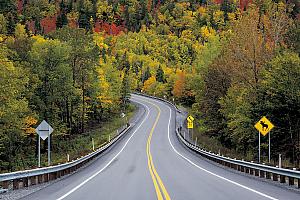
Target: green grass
81	144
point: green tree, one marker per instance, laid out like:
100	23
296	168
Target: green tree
49	59
13	110
279	100
3	24
160	75
146	75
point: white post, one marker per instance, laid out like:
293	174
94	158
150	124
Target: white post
39	156
258	147
93	144
270	147
279	164
49	156
109	138
68	157
196	141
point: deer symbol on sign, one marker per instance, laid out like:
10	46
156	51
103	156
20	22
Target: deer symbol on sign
265	126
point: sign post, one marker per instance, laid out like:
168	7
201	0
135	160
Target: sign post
264	126
44	131
123	116
190	124
39	152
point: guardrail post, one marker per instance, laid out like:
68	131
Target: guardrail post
4	184
268	175
261	174
40	178
282	179
46	177
51	176
247	170
25	182
15	184
291	181
251	171
32	180
275	177
58	174
256	172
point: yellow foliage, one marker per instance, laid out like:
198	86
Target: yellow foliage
104	87
219	17
39	38
162	18
149	85
20	31
207	32
99	40
202	10
29	122
231	16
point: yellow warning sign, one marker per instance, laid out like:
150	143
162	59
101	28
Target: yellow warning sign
264	126
190	124
190	118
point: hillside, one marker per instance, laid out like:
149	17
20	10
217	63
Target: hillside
74	63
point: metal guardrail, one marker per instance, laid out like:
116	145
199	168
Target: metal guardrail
261	170
26	178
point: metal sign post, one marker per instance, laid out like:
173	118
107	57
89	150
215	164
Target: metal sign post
44	131
264	126
270	147
258	147
49	156
39	163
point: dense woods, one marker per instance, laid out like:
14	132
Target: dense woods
74	63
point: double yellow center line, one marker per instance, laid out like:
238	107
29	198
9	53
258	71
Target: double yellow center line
158	184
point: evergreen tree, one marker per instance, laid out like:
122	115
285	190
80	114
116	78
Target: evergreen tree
146	75
160	75
62	19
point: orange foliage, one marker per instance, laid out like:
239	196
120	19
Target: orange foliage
179	84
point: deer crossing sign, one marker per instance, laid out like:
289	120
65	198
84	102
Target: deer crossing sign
264	126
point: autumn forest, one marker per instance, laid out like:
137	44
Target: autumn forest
75	62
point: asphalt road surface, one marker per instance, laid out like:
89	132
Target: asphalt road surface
150	163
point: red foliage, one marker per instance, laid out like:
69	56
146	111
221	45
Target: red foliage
20	6
48	24
30	25
243	3
110	29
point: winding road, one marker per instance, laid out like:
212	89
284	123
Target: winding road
150	163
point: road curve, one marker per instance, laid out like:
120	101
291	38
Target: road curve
150	163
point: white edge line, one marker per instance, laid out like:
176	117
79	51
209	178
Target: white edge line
207	171
98	172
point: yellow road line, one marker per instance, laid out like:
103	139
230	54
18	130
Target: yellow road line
151	165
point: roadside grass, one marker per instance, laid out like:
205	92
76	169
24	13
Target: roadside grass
76	146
